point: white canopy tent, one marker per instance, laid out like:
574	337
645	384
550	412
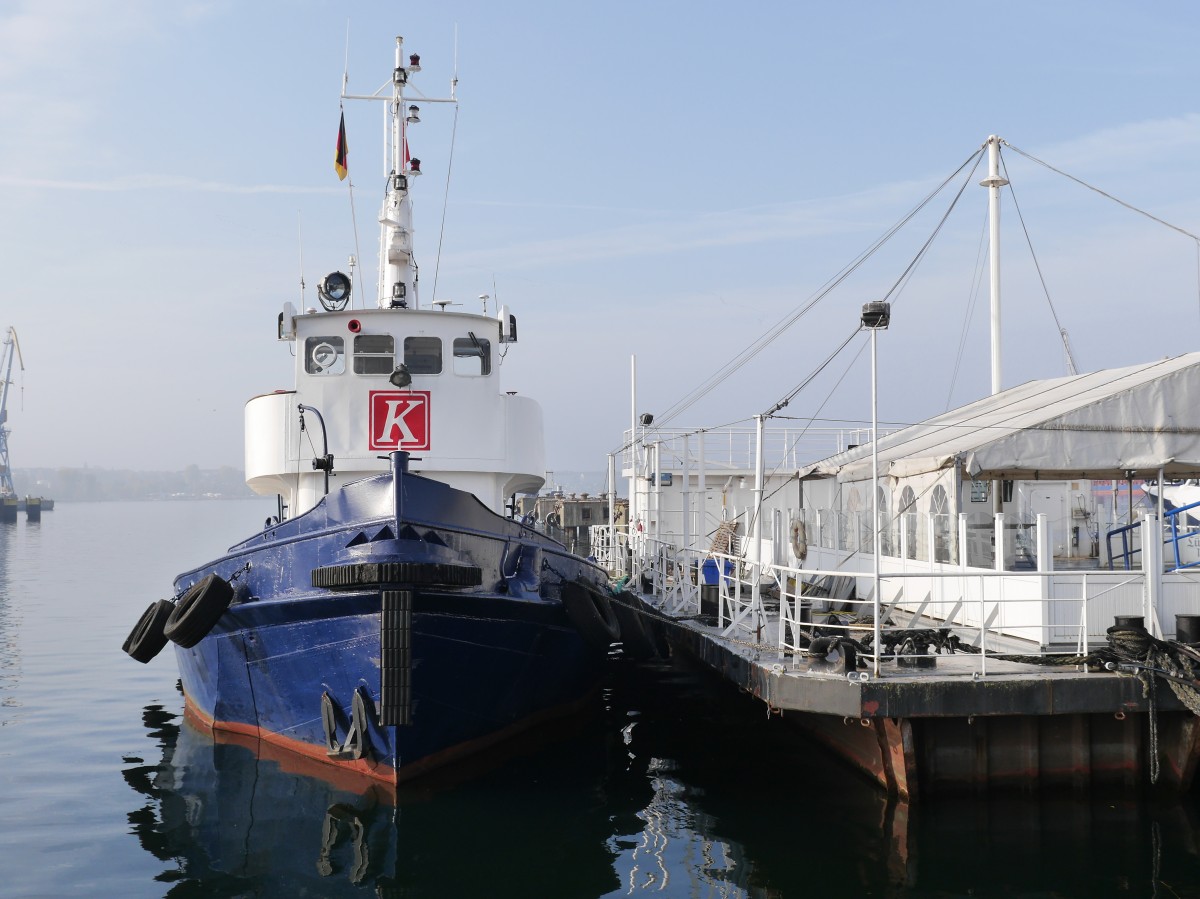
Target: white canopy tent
1118	423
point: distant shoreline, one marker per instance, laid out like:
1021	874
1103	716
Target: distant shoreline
72	485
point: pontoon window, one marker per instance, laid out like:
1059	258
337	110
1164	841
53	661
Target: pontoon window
472	356
887	527
939	512
908	512
324	355
374	354
423	355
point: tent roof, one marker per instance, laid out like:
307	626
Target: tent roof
1116	423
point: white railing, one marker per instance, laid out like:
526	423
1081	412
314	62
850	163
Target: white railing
988	612
610	548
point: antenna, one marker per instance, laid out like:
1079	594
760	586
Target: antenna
346	64
483	298
300	239
454	80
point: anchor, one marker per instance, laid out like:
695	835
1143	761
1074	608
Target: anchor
355	745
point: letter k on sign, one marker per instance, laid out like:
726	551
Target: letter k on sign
399	419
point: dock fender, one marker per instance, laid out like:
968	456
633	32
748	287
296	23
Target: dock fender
198	610
799	536
591	613
147	639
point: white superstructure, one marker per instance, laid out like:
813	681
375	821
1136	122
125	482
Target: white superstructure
396	376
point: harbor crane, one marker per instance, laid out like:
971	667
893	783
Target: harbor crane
11	348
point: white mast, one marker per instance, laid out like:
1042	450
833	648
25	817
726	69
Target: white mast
397	274
993	182
635	505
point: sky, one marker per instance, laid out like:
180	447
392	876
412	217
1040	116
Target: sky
662	180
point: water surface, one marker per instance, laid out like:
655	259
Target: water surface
671	784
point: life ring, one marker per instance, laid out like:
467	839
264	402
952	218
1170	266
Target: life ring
198	610
799	540
590	612
323	356
147	639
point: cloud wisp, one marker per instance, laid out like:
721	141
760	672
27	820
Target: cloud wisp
161	182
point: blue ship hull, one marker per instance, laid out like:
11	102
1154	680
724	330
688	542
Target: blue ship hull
485	649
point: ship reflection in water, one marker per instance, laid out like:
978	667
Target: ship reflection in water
673	786
232	818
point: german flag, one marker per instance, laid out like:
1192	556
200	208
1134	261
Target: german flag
339	154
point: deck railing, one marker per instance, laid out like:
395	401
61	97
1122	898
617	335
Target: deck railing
977	611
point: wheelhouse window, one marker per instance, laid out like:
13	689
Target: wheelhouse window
423	355
324	355
374	354
472	356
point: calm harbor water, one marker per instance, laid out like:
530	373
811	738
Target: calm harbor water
671	785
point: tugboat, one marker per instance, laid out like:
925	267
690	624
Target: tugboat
395	613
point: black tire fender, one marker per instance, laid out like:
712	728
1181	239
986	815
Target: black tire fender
198	610
147	639
590	613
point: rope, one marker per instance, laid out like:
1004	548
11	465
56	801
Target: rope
1041	277
738	361
357	248
1150	686
976	286
437	265
1102	193
1130	649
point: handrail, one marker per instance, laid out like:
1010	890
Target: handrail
981	614
988	612
1173	521
1170	524
1126	553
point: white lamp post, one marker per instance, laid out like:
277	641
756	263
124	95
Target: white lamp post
875	317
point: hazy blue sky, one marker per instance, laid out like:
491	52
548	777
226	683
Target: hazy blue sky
662	179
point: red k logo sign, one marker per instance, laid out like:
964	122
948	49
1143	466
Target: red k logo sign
399	419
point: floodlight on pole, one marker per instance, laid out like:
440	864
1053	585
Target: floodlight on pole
876	316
